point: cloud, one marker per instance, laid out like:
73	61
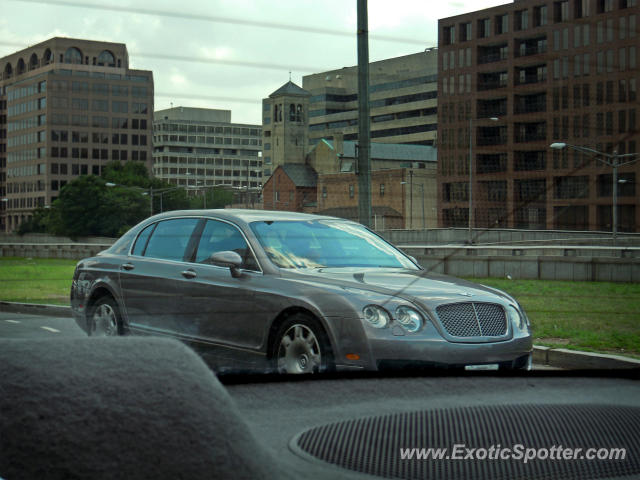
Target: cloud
295	50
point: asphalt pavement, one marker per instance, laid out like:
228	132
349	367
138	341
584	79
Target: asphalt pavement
21	325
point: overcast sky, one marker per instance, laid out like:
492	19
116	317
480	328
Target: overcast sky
231	31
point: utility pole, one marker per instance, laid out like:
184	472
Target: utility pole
246	199
470	239
364	132
151	202
411	199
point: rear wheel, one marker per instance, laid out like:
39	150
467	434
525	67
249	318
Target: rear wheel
301	346
104	320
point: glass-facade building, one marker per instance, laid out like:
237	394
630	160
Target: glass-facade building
67	107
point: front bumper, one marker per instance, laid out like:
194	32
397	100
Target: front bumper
393	347
443	353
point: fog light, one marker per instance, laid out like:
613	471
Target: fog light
352	356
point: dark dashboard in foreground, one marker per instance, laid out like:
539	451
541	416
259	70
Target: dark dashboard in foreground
150	408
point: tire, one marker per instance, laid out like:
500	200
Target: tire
104	319
301	346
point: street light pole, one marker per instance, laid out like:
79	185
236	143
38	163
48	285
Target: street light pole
613	161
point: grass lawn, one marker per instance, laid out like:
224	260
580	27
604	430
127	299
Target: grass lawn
596	316
36	280
592	316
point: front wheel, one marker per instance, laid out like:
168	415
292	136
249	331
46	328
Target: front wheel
104	320
301	346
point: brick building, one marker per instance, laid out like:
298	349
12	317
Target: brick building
520	76
403	184
291	187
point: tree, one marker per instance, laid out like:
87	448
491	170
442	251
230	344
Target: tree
37	223
87	207
135	174
216	198
132	174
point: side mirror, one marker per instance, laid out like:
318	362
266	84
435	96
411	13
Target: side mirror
228	259
413	259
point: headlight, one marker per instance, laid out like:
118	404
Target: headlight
376	316
517	319
409	318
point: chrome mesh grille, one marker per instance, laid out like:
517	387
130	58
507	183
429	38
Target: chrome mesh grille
473	319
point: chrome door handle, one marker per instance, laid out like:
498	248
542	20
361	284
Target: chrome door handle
189	274
128	266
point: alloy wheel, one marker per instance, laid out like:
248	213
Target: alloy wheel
105	321
299	351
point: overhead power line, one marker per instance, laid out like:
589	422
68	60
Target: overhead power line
206	97
194	59
219	19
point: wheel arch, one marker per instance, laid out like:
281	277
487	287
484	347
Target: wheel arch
287	313
101	290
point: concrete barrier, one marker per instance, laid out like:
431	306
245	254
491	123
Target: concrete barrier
577	263
496	236
468	262
46	238
76	251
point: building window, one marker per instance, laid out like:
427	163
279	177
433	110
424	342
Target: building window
540	15
324	192
502	24
449	35
561	11
581	8
73	55
352	191
604	6
465	32
484	28
382	189
522	20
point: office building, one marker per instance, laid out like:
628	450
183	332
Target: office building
520	76
200	147
402	100
67	107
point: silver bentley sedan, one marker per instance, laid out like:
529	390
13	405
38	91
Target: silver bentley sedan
293	293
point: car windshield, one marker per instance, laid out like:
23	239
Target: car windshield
326	243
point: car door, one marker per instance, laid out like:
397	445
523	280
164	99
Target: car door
217	307
149	278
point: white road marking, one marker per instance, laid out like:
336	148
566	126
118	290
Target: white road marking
49	329
12	321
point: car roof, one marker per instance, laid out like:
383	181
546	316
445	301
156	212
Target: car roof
247	216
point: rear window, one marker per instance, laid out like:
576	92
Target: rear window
170	238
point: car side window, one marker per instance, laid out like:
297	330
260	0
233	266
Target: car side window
220	237
170	239
141	242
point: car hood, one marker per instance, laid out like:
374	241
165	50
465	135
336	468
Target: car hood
412	285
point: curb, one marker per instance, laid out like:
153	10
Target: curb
36	309
553	357
579	360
